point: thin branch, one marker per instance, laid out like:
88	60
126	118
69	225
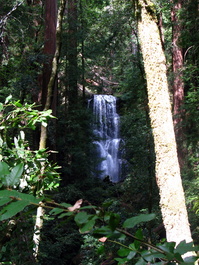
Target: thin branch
5	18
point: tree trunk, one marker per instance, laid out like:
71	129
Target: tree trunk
172	200
49	45
43	137
72	53
178	84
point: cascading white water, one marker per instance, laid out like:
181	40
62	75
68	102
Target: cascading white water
106	130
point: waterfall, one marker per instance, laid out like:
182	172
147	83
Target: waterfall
106	131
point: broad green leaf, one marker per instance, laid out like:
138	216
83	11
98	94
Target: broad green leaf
131	255
4	200
88	226
102	231
121	261
178	257
114	221
66	205
18	104
123	252
1	106
15	207
168	247
139	234
65	214
4	168
15	194
151	255
81	218
107	204
141	262
133	221
190	260
132	246
56	211
101	250
169	256
12	209
15	175
184	247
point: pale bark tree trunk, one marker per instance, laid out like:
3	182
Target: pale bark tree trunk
43	137
172	200
178	84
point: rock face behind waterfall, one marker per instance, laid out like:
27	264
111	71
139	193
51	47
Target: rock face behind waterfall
106	130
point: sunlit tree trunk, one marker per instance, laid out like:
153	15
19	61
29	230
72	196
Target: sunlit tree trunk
172	200
43	136
178	84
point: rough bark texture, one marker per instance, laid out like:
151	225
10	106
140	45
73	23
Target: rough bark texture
178	84
53	75
49	44
72	53
172	200
43	136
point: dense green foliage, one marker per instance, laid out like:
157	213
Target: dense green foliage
108	62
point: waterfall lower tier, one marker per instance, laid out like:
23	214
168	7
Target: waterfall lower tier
106	130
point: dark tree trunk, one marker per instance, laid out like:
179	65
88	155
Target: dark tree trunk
43	136
82	51
49	45
178	84
72	53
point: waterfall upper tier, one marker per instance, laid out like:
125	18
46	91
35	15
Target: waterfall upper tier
106	128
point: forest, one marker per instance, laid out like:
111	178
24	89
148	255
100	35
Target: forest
59	203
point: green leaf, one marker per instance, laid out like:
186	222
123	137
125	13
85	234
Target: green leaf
81	218
141	262
56	211
107	204
12	209
151	255
114	221
18	104
167	247
15	194
190	260
15	175
133	221
65	214
138	235
131	255
184	247
1	106
4	168
88	226
102	231
123	252
66	205
121	261
178	257
4	201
